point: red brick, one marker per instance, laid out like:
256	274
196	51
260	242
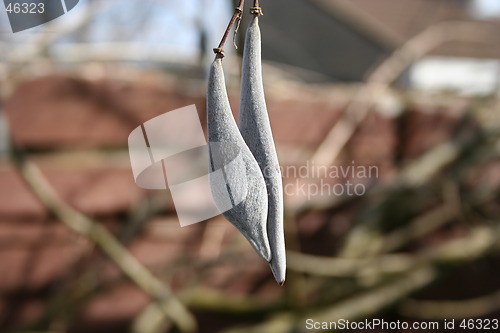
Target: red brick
24	234
424	130
34	267
69	112
122	301
98	191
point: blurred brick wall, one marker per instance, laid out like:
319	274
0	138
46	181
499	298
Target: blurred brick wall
63	121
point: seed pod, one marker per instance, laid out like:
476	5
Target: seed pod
236	182
256	131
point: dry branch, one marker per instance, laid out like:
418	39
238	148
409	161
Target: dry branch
388	71
364	237
353	308
424	271
468	308
107	243
479	242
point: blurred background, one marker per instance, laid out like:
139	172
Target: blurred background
386	118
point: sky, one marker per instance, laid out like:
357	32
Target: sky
170	23
159	21
167	22
487	8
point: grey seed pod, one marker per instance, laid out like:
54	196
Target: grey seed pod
256	130
236	182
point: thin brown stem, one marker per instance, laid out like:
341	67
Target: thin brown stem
219	51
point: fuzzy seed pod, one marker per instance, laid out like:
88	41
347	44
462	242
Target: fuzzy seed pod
256	131
236	182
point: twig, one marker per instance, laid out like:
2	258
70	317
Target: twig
150	320
425	271
480	241
469	308
219	51
215	301
420	226
106	242
420	172
354	308
373	301
118	51
342	267
413	175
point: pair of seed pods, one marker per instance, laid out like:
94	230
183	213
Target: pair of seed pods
245	176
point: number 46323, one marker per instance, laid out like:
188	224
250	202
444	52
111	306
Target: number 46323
25	8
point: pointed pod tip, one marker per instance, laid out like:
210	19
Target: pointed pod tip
278	272
280	282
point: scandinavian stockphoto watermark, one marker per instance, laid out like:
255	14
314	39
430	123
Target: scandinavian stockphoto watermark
171	152
310	180
26	14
